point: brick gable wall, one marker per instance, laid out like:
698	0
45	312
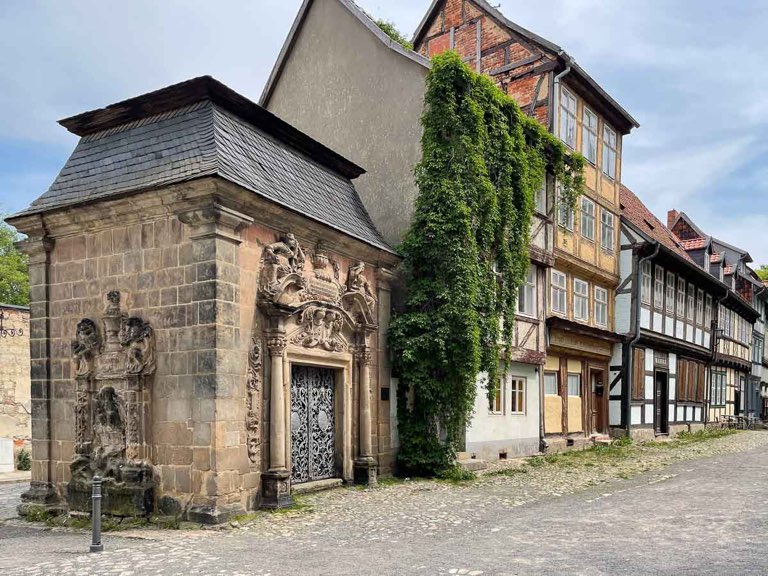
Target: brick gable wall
500	50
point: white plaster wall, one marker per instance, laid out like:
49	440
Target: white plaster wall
504	430
623	314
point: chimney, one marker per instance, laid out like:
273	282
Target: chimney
671	217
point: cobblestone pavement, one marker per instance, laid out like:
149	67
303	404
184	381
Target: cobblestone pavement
696	509
9	498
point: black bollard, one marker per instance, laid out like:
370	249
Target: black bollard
96	545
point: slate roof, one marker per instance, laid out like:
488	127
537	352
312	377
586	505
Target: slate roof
122	152
638	215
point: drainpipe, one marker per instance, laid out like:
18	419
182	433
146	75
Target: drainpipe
556	90
627	388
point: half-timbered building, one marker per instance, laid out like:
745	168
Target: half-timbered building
666	309
732	365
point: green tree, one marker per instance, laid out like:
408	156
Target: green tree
14	271
391	30
466	253
762	272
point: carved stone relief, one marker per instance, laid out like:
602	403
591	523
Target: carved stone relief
253	397
112	408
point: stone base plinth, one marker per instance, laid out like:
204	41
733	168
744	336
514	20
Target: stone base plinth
214	514
134	497
365	471
40	494
276	489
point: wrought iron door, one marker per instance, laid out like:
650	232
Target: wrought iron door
313	434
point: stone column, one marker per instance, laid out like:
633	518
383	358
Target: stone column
42	489
365	465
276	485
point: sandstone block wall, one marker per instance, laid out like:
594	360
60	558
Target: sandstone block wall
15	399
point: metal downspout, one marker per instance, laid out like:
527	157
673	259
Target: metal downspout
635	339
555	88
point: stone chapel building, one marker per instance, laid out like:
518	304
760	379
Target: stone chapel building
209	300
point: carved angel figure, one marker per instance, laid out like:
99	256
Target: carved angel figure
139	339
283	257
85	346
357	282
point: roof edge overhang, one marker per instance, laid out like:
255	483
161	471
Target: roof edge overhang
208	88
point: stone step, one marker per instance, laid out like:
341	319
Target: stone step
473	464
601	439
316	486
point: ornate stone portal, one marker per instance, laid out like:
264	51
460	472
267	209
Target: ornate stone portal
112	412
315	310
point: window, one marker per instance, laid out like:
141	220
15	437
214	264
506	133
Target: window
638	374
497	399
580	300
646	288
574	384
718	392
541	198
601	306
708	313
700	307
606	230
725	323
587	218
658	288
550	383
568	118
526	298
517	395
691	309
690	381
564	213
757	348
589	135
559	304
680	298
609	152
670	303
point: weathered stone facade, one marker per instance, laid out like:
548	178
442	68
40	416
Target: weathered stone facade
224	290
15	401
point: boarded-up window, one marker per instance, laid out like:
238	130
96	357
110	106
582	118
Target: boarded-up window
638	374
690	381
702	383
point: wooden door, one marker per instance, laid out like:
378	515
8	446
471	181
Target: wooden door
597	385
661	403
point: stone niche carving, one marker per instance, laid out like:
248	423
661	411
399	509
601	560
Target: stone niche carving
112	412
320	302
253	400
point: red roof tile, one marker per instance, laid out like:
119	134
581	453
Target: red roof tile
693	244
715	258
728	270
643	219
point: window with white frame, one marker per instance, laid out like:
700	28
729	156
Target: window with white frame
526	297
568	118
574	384
589	135
691	303
647	287
564	212
680	298
497	398
550	384
708	312
517	395
559	293
658	288
609	152
601	306
606	230
718	394
670	303
700	307
587	218
580	300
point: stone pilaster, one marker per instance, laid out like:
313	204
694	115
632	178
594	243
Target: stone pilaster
42	489
215	232
276	485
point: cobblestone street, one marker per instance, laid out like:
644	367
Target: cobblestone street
661	510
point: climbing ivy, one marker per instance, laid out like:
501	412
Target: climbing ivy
466	253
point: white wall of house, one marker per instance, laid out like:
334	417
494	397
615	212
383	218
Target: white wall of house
506	432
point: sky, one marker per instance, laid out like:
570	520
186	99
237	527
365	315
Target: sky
692	74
